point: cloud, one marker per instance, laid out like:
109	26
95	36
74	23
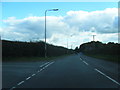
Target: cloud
80	24
102	21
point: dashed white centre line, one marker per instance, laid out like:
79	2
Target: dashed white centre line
85	62
33	74
20	83
28	78
12	88
80	58
107	77
41	69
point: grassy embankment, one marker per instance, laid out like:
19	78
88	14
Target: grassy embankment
31	51
112	58
106	51
33	59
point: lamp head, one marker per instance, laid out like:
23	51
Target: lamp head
53	10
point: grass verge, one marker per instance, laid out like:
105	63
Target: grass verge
24	59
112	58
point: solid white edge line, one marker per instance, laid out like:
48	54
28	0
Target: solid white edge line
85	62
108	77
51	62
47	65
20	82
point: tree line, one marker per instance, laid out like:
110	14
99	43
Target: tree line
96	47
31	49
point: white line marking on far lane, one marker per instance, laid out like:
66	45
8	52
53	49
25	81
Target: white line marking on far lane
107	77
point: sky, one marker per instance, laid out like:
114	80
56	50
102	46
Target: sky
74	22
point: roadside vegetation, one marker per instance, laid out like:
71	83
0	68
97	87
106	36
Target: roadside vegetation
31	59
31	51
109	51
112	58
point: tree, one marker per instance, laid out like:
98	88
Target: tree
76	50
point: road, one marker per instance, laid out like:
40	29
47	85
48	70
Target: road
74	71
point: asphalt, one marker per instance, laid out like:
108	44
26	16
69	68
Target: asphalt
74	71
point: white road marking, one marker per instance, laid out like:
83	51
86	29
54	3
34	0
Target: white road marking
28	78
33	74
48	65
85	62
80	58
51	63
107	77
20	83
12	88
44	64
41	69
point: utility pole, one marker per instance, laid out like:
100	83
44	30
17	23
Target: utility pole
93	37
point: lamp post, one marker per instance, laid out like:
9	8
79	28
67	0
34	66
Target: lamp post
93	37
45	29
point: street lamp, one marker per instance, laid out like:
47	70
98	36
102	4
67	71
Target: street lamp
45	29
